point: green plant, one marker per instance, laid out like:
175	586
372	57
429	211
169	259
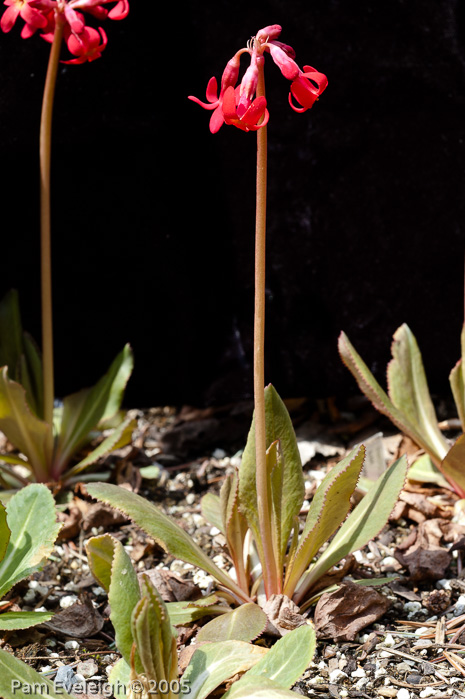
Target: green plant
266	495
235	512
49	438
28	529
409	406
46	449
145	637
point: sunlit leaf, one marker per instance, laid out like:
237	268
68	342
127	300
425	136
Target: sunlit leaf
245	623
453	465
31	518
408	390
112	567
11	621
214	663
329	507
167	534
32	436
17	679
278	428
362	525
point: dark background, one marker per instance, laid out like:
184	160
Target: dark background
153	217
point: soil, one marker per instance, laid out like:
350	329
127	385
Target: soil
412	645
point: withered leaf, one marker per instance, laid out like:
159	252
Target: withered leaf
422	554
342	614
78	621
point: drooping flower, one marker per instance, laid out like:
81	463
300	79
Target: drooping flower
250	118
34	19
84	42
87	46
228	79
304	90
245	109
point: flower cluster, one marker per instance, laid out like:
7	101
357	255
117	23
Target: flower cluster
241	106
84	42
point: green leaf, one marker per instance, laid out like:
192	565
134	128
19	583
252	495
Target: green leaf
457	383
29	434
329	507
424	471
362	525
18	679
278	428
82	411
245	623
453	466
408	390
256	688
210	508
373	391
119	678
182	613
167	534
287	659
10	621
113	569
234	527
5	532
32	521
31	375
120	436
151	630
214	663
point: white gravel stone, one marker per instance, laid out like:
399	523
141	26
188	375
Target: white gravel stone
190	498
359	672
389	641
68	601
403	693
72	645
214	531
412	608
428	692
337	675
459	606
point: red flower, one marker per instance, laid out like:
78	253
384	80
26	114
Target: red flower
304	90
86	46
86	43
238	107
34	19
246	118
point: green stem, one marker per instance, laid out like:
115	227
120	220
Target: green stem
270	576
45	237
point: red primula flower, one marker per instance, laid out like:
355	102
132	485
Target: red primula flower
86	43
238	106
304	90
245	118
34	19
86	46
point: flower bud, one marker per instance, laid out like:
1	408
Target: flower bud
248	87
231	72
269	33
286	65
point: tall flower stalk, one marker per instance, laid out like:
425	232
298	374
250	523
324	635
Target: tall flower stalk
55	20
245	107
45	222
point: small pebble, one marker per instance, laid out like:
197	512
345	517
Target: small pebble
403	693
337	675
68	601
359	672
387	691
71	645
427	692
